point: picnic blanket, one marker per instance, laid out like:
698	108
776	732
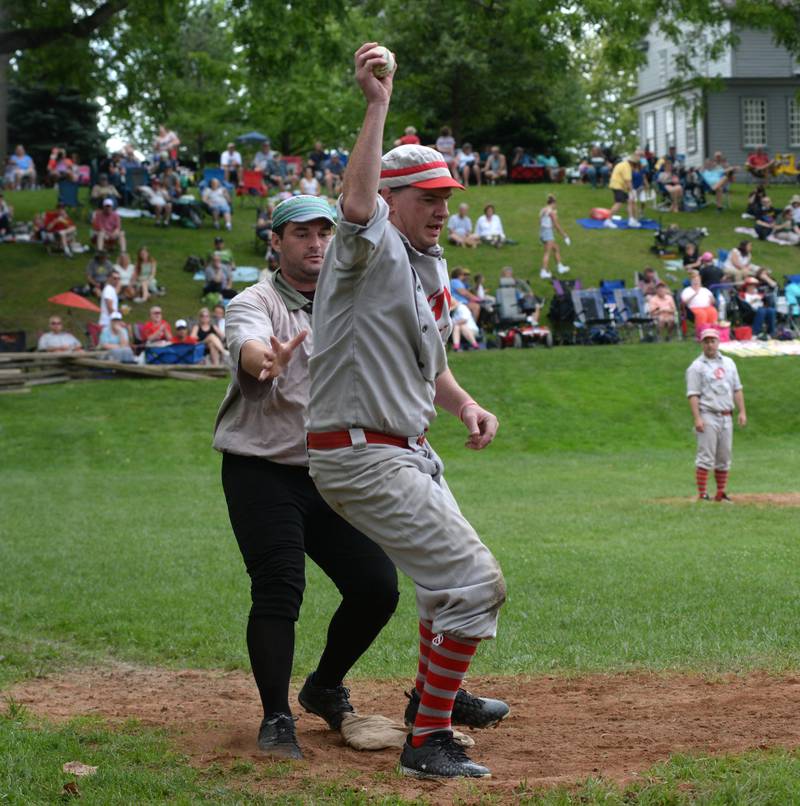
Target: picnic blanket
128	212
241	274
753	234
591	223
758	349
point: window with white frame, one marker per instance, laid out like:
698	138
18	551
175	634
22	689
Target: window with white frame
650	132
663	67
691	132
754	122
669	126
794	122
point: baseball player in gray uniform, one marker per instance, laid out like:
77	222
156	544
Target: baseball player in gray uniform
713	388
276	512
379	367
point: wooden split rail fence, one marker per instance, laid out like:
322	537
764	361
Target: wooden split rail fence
20	372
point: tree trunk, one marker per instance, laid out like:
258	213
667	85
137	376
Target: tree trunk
4	60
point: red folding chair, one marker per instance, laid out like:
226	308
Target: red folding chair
252	185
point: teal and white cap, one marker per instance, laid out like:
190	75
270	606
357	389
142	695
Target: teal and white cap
301	208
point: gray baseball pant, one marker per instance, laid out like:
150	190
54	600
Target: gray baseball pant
715	442
399	499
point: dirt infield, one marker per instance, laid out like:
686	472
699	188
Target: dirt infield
747	499
561	730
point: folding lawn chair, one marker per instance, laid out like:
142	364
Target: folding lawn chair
68	194
631	311
252	186
597	323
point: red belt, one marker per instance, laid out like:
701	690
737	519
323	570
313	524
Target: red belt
328	440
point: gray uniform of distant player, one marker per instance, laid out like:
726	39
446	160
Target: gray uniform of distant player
714	381
380	321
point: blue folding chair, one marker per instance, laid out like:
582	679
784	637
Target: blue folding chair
608	289
214	173
68	194
134	178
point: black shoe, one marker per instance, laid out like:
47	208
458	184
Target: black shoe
722	498
474	712
439	757
704	497
329	703
277	736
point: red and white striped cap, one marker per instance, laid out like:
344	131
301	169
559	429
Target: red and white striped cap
416	166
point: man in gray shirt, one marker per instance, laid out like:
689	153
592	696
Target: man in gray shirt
378	369
57	340
276	513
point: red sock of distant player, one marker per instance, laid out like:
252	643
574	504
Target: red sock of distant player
448	661
721	477
425	638
701	475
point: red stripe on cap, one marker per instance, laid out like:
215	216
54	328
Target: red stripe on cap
413	169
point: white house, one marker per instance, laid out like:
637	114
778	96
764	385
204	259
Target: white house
759	103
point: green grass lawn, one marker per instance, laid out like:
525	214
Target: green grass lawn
28	276
116	545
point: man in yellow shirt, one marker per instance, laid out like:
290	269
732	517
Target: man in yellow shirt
621	185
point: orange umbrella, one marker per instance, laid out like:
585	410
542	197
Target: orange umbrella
72	300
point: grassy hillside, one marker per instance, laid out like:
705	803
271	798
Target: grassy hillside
28	276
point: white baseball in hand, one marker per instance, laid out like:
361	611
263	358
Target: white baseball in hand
383	70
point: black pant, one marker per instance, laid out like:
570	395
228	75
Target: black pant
278	517
213	287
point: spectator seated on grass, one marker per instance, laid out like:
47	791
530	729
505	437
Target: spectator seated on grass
755	310
127	274
223	253
206	332
104	190
334	174
231	163
459	291
489	228
58	340
669	183
469	165
759	165
739	266
129	158
24	169
115	340
495	169
8	174
648	280
754	200
61	229
97	270
156	331
700	302
464	326
182	334
264	226
219	278
218	200
6	216
459	228
144	276
158	199
409	137
691	259
107	229
661	306
770	224
795	205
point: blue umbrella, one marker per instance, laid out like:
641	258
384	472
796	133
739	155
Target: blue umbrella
252	137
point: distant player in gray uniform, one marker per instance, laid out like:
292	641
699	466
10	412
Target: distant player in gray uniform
713	387
381	320
276	512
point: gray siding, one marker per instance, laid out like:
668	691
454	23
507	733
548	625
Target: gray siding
725	124
757	56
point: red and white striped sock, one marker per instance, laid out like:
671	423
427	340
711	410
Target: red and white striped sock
701	475
448	661
425	638
721	477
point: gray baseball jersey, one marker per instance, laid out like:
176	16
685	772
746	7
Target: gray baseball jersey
271	307
381	319
714	381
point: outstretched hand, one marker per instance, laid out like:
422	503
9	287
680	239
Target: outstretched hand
266	363
376	90
481	424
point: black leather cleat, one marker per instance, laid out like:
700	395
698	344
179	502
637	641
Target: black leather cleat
329	703
468	710
277	737
439	757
